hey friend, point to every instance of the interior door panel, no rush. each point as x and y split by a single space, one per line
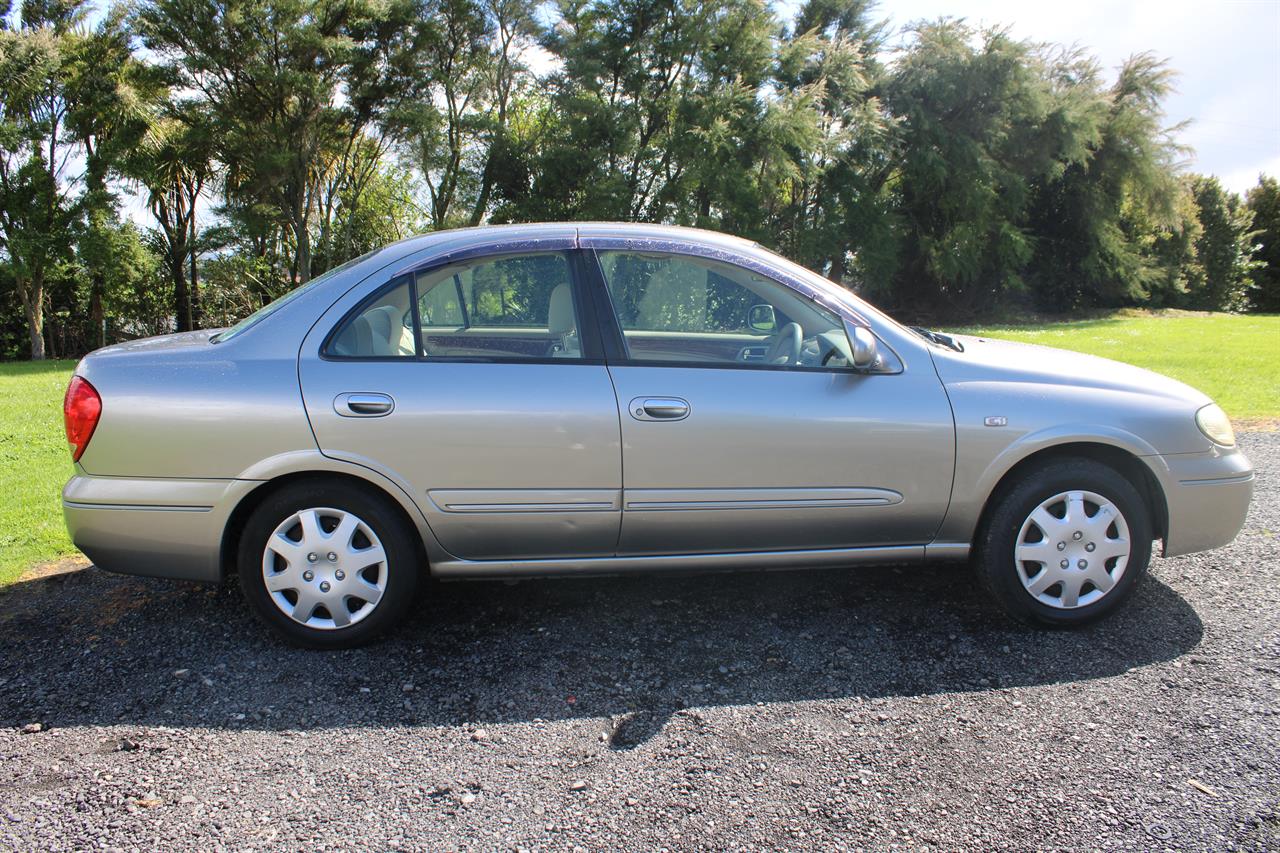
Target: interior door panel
665 346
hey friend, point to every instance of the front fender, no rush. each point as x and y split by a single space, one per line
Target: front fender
982 461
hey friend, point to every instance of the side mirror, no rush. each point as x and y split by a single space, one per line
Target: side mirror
762 319
863 344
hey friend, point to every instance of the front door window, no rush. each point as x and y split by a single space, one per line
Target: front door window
686 310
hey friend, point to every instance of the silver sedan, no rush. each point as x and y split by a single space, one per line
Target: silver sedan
570 399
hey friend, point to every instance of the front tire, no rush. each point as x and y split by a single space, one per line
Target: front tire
1066 544
328 565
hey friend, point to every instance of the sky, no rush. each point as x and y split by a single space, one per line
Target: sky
1227 53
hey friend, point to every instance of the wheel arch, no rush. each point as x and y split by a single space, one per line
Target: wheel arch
250 501
1125 462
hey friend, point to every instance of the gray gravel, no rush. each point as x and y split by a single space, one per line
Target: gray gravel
867 708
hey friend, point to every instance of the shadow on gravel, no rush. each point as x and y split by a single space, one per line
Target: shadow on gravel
89 648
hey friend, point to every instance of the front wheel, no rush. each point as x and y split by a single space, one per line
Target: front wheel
1066 544
328 565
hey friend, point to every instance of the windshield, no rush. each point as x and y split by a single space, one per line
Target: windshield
275 305
836 291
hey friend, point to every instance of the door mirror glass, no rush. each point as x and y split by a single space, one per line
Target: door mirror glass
863 346
762 319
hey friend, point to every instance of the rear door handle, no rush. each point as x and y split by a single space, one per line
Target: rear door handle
659 409
363 405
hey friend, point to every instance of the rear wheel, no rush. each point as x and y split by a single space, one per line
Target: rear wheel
328 565
1066 544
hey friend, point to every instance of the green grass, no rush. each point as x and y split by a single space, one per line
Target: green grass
1234 359
34 463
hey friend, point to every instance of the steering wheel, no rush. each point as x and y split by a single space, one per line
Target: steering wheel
785 348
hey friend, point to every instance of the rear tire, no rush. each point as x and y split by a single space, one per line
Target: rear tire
328 565
1065 544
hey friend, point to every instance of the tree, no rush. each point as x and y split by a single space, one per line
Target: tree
659 111
288 83
835 213
1169 248
172 163
615 101
367 204
456 132
1093 215
1223 248
108 92
730 147
1264 201
985 119
37 164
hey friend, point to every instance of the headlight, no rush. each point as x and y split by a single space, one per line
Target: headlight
1215 424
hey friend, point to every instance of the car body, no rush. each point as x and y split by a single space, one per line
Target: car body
656 413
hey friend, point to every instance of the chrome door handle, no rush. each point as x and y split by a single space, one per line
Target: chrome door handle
659 409
363 405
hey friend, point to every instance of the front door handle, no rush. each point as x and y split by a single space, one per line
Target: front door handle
659 409
363 405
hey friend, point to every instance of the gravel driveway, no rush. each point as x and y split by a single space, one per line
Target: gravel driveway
866 708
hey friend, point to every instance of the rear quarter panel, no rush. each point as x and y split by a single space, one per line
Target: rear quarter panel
201 412
180 406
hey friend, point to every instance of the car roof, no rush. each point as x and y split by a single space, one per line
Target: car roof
496 235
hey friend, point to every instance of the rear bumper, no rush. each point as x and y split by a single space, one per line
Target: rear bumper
149 526
1207 496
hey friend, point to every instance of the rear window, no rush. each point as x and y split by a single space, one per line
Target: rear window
272 307
508 308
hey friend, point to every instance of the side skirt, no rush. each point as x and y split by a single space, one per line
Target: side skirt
757 560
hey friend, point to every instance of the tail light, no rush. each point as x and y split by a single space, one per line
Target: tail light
80 408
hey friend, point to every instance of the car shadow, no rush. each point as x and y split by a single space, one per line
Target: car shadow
89 648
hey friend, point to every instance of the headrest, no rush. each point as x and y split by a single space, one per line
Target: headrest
382 325
560 320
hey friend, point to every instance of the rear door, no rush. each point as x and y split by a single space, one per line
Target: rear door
739 434
473 385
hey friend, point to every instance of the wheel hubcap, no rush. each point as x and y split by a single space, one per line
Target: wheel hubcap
334 593
1072 550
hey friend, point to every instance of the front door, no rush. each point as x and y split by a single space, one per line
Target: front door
738 433
471 384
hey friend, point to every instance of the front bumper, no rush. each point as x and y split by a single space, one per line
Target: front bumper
150 526
1207 496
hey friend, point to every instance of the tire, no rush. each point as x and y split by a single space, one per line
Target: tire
338 551
1050 548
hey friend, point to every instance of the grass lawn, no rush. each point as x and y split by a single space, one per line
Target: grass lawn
1235 360
34 463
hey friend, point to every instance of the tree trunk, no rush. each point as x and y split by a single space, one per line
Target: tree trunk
181 296
32 294
486 181
98 200
197 315
304 253
96 314
486 187
838 266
